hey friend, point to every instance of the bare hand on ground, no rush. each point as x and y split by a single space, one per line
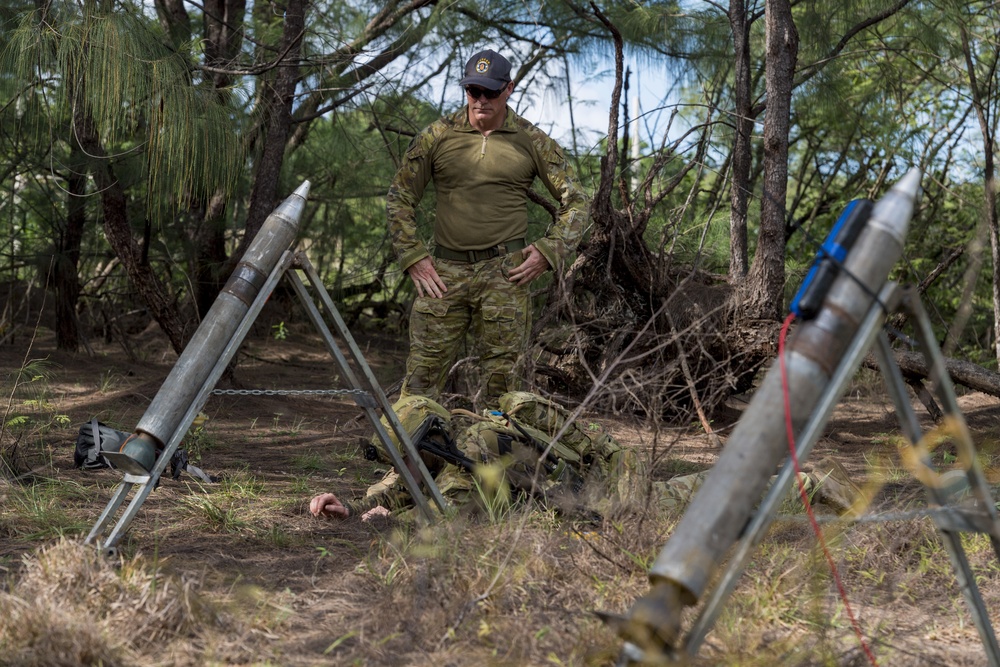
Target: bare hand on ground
327 505
374 512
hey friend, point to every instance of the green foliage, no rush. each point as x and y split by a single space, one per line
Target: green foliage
229 508
310 462
39 510
29 413
108 66
493 494
354 155
197 441
177 138
241 485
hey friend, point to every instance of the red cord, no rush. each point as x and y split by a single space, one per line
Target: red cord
802 489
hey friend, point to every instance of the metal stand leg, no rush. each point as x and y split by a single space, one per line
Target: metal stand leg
981 518
146 483
373 391
368 398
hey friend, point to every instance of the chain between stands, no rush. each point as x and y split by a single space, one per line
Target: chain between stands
287 392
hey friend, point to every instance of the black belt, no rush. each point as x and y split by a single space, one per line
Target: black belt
473 256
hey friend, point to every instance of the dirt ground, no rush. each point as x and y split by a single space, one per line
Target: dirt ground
314 592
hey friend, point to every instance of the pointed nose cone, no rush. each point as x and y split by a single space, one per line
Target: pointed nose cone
910 184
302 190
893 211
291 208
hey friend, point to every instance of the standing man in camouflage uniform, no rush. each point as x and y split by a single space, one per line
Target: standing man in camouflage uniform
483 159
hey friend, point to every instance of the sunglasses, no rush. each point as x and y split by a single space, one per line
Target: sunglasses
475 92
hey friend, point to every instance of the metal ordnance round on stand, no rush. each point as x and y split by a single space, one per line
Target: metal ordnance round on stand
196 362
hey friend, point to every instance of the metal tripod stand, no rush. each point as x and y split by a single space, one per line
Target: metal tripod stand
979 515
364 389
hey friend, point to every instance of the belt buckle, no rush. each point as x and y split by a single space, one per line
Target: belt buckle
476 256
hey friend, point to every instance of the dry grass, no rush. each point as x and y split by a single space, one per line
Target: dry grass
71 606
469 591
473 592
239 573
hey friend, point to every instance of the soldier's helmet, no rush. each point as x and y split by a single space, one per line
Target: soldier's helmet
421 418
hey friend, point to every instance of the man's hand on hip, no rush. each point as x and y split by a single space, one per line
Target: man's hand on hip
534 265
426 278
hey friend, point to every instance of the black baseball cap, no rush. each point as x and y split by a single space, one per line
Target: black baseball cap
487 69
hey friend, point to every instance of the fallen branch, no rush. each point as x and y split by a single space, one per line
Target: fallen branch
682 357
965 373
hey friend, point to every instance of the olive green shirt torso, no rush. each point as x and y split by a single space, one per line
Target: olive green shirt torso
482 183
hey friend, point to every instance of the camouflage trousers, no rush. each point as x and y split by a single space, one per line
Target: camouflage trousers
482 301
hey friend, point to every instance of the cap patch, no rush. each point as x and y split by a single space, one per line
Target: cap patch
483 65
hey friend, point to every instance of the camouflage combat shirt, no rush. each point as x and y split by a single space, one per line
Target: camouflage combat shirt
482 183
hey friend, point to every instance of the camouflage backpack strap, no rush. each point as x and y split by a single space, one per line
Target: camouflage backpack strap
518 452
587 444
486 440
95 451
549 418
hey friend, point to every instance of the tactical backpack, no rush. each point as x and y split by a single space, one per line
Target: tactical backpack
587 441
528 460
430 427
95 437
617 472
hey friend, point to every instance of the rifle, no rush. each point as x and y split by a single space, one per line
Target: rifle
555 468
450 453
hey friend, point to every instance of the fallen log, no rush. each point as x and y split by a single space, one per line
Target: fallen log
965 373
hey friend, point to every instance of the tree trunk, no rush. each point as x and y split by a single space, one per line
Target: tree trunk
118 232
211 268
277 103
985 106
913 366
222 43
223 21
762 293
741 153
67 260
174 20
991 213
